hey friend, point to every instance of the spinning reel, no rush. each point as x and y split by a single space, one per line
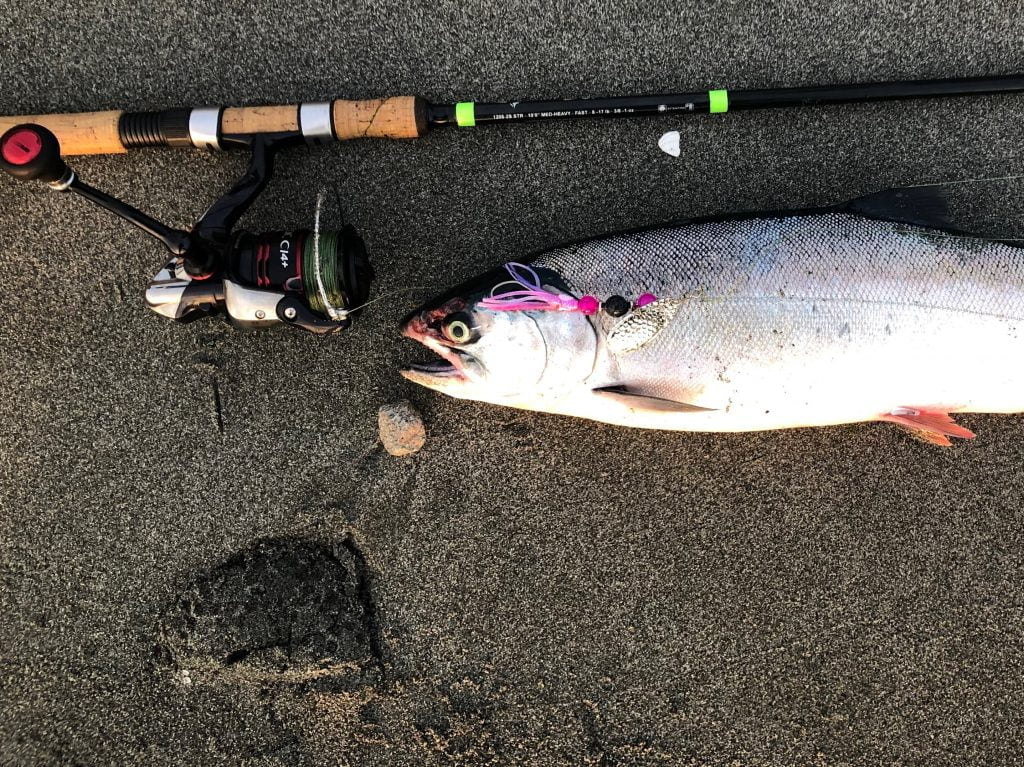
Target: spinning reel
310 279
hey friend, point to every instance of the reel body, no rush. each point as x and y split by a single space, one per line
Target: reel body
310 279
272 278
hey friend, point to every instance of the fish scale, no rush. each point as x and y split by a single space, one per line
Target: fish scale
827 256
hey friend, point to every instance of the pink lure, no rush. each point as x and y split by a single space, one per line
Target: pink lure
528 295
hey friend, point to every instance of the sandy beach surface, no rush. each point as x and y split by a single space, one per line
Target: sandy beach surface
207 559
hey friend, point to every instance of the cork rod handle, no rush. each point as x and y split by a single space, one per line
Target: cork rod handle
84 133
398 117
395 117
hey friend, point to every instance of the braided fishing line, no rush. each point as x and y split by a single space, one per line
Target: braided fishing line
323 283
390 293
337 267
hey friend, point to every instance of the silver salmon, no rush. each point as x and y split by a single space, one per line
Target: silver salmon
878 309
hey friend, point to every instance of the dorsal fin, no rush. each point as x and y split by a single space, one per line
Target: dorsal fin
925 206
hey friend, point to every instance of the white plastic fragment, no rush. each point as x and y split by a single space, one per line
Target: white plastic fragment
401 428
669 143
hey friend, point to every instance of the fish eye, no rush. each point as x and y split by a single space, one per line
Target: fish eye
458 328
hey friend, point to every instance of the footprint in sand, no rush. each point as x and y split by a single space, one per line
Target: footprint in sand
285 610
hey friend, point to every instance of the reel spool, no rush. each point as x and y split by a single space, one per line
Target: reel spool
310 279
332 272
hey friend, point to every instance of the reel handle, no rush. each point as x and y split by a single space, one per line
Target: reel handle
32 153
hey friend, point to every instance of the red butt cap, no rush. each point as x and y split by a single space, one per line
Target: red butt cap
21 147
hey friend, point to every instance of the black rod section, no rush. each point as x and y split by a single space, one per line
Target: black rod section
467 114
168 127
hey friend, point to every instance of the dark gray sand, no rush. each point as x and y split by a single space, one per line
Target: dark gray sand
258 583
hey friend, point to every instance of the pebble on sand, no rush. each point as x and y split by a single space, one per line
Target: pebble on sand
401 428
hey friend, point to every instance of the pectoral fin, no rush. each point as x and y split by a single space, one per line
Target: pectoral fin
641 325
637 400
932 426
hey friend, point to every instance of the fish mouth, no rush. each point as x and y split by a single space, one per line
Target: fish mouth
435 369
435 373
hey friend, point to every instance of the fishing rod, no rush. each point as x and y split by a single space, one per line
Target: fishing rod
318 280
403 117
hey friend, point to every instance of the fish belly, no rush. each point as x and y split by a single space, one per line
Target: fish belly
776 363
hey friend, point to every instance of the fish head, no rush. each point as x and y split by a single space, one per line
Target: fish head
507 357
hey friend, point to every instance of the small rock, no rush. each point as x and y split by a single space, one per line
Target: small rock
401 428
